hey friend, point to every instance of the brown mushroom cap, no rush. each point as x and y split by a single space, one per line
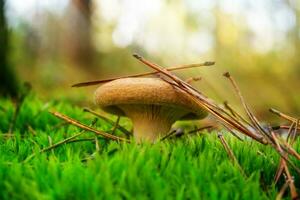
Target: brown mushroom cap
145 91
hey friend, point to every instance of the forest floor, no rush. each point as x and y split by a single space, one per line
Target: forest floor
90 167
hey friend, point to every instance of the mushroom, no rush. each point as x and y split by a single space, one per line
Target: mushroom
152 104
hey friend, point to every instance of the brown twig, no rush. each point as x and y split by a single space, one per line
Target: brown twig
87 128
200 129
92 139
283 127
116 126
90 83
121 128
168 135
282 190
281 163
282 115
53 146
294 134
259 128
293 190
255 123
230 152
180 132
232 132
236 114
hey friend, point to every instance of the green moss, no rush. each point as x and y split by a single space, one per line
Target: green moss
189 168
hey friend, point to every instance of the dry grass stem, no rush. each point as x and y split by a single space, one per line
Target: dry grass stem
293 190
236 114
283 127
282 115
87 128
282 190
281 163
116 125
180 132
121 128
89 83
232 132
53 146
168 135
255 123
200 129
230 152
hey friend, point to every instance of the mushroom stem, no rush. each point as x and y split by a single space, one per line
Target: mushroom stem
151 122
150 130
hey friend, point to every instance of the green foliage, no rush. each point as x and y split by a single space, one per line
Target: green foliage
189 168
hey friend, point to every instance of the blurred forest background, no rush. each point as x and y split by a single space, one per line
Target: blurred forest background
55 43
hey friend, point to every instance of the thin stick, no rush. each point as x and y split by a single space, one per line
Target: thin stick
89 83
236 114
82 140
282 115
281 165
293 190
290 150
230 152
168 135
252 118
282 190
121 128
283 127
200 129
51 147
116 125
294 135
290 140
180 132
87 128
232 132
289 134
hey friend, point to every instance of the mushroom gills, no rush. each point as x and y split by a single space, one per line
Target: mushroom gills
151 122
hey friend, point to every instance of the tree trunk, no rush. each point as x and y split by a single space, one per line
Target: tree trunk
8 85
